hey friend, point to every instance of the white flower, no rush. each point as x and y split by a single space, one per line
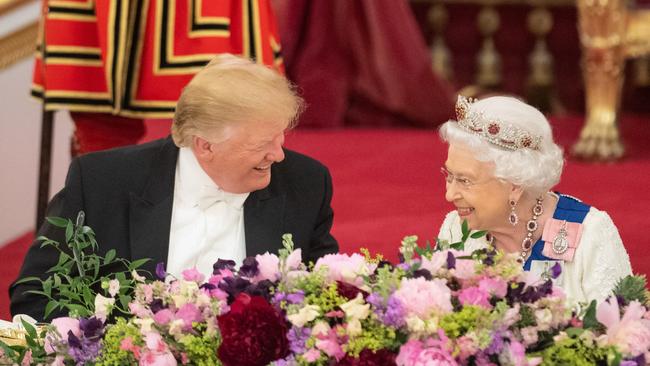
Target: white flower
354 327
321 327
103 306
136 276
544 318
356 309
144 324
304 315
113 287
415 324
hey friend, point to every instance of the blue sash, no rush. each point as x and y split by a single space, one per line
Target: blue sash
569 209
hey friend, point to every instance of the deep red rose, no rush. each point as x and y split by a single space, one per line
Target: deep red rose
252 332
349 291
383 357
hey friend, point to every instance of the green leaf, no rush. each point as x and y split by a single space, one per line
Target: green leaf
50 307
8 351
28 279
58 221
478 234
590 321
465 230
138 263
31 331
69 231
110 255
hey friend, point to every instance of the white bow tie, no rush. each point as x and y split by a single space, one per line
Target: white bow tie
210 195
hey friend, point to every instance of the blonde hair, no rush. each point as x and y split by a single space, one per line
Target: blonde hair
534 170
231 91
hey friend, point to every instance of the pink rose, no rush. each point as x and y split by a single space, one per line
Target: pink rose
475 296
63 326
494 286
294 259
163 316
268 266
631 333
431 353
189 313
158 359
193 275
421 297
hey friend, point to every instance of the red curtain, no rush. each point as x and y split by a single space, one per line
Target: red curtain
361 63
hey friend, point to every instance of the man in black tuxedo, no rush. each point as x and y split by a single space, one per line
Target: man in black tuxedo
222 186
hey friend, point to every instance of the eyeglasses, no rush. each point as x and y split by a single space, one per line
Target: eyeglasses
463 183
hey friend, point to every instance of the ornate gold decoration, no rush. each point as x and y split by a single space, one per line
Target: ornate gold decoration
18 45
440 55
489 61
642 71
540 60
609 34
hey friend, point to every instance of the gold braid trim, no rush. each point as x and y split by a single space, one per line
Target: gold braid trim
18 45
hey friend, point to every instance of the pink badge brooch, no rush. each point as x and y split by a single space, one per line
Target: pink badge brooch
561 239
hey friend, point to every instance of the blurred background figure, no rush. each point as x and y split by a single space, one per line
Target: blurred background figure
113 64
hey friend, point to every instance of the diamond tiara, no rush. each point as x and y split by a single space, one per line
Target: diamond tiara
494 130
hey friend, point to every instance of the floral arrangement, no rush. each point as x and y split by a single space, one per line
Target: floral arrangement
440 305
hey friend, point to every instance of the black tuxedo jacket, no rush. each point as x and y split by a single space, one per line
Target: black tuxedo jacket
127 195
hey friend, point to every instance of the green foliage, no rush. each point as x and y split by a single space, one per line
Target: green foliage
75 280
579 350
202 349
112 354
458 323
632 288
428 250
375 336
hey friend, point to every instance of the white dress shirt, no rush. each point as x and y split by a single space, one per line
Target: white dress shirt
207 223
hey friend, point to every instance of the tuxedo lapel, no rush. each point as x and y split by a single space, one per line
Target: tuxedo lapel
151 210
263 221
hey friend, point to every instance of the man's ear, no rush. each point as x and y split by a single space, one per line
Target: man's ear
202 148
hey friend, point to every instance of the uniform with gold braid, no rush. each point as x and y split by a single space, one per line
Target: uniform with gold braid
132 58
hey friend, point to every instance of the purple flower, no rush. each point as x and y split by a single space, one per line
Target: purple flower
556 270
497 344
451 260
92 328
157 305
422 273
249 268
83 350
160 270
297 338
395 313
223 264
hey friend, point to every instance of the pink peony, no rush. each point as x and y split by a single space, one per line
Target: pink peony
330 344
294 259
311 355
494 286
631 333
345 268
430 353
421 297
438 260
193 275
158 359
63 326
465 269
475 296
189 313
163 316
268 266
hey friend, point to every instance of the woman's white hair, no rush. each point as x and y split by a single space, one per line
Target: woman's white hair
534 170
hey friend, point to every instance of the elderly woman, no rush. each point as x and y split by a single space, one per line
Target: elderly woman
501 164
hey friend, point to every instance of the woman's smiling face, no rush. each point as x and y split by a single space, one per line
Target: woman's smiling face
479 197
